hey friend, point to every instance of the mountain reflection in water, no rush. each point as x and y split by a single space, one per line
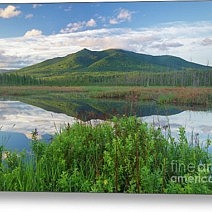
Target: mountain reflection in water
18 120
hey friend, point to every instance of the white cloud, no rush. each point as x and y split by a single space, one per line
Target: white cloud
101 18
165 46
9 12
77 26
29 16
12 60
113 21
122 16
32 33
179 39
91 23
207 42
73 27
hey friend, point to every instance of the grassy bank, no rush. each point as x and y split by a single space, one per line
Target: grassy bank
88 102
162 95
128 157
174 95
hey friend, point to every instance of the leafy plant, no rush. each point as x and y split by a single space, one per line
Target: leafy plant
122 155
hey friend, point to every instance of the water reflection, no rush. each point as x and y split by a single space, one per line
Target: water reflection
104 108
86 109
197 124
18 120
19 141
14 140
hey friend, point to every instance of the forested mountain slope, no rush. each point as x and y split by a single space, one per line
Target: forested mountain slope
109 60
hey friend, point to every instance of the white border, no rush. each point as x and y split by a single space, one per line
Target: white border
30 202
63 202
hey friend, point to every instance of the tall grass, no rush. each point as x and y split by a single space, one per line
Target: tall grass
174 95
126 156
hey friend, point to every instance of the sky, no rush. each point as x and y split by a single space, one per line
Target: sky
31 33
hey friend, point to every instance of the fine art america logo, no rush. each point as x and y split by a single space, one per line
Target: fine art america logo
201 173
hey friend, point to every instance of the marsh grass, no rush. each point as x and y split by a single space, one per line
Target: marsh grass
85 100
125 155
175 95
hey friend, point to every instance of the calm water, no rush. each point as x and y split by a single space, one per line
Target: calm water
106 108
18 141
18 120
86 109
14 140
198 125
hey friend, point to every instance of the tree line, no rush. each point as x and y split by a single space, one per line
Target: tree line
178 78
9 79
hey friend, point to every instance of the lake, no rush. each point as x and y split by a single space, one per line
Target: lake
100 108
18 120
198 125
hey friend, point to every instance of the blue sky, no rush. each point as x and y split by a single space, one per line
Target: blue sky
31 33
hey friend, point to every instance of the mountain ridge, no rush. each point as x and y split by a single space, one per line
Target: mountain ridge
86 60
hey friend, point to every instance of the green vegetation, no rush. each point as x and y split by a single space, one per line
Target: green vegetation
112 68
11 79
107 61
87 102
126 156
174 95
177 78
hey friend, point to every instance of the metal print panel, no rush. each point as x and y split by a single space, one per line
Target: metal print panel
106 97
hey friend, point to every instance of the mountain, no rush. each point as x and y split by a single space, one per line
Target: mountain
109 60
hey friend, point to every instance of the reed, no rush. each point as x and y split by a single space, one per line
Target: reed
127 156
